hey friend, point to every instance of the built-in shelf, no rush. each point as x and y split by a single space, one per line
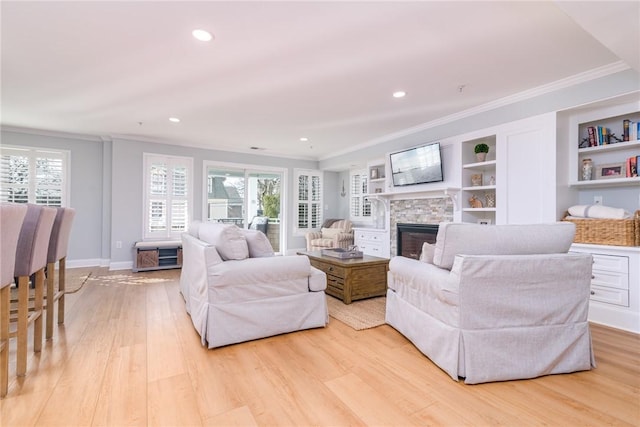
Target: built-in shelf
610 147
479 188
611 182
489 164
479 209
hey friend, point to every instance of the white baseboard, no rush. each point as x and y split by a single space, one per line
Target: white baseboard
91 262
122 265
621 318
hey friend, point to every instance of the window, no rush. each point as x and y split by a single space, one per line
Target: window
360 207
308 212
33 175
168 195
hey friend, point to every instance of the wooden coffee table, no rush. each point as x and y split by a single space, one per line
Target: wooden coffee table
352 279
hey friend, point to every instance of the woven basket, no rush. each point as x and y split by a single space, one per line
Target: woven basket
616 232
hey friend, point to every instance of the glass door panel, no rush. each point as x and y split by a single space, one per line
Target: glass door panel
264 204
226 196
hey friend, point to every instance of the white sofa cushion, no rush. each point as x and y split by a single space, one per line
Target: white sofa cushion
475 239
227 238
258 244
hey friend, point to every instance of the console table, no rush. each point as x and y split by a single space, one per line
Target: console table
158 255
352 279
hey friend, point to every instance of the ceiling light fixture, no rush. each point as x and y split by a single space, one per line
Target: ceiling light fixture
174 120
399 94
202 35
303 139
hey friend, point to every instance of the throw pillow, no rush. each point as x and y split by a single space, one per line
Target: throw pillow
258 243
427 253
227 238
330 233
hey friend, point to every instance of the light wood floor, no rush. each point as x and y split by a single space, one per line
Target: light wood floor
128 355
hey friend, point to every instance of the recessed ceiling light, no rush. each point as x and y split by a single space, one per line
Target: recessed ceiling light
399 94
174 120
303 139
202 35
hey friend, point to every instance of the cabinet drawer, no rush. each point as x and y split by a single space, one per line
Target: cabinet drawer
368 236
618 264
330 269
610 295
371 249
609 279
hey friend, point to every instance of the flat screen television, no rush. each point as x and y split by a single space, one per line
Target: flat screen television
417 165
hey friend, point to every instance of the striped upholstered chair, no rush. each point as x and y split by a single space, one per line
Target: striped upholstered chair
333 234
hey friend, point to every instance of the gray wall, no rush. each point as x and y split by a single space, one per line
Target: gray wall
86 189
106 176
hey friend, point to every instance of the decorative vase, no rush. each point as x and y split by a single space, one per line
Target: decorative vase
587 169
476 179
481 157
490 199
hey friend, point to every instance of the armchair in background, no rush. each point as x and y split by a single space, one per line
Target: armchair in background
334 234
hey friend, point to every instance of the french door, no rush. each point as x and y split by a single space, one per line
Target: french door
248 197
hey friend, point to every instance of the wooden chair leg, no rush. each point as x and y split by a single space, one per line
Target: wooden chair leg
23 324
51 294
38 304
5 296
62 284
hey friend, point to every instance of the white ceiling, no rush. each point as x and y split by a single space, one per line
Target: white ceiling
278 71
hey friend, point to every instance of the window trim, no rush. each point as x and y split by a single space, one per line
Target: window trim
31 152
172 161
300 231
362 195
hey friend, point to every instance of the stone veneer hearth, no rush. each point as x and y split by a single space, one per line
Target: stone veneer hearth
418 211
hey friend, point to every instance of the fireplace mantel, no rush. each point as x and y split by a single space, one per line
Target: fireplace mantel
409 194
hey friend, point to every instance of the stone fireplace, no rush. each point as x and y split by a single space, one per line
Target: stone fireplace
417 211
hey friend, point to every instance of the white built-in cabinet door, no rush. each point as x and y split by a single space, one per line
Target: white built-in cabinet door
526 171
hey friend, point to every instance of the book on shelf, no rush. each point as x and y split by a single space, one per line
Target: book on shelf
632 166
634 131
625 129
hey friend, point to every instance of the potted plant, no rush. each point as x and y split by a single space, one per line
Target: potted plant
481 151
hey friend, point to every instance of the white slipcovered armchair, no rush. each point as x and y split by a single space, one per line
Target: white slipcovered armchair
494 303
333 234
236 289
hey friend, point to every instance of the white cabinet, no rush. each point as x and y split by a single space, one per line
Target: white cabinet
372 241
517 183
615 285
526 171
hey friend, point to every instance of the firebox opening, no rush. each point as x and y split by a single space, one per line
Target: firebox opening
412 236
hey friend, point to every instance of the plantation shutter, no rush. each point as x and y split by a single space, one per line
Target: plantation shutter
33 176
168 195
360 206
308 200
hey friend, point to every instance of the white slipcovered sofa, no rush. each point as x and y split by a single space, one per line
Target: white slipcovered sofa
236 290
494 303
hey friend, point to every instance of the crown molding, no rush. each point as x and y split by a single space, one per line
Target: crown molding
50 133
567 82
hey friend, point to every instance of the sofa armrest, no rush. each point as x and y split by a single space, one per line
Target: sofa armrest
522 290
417 276
313 235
